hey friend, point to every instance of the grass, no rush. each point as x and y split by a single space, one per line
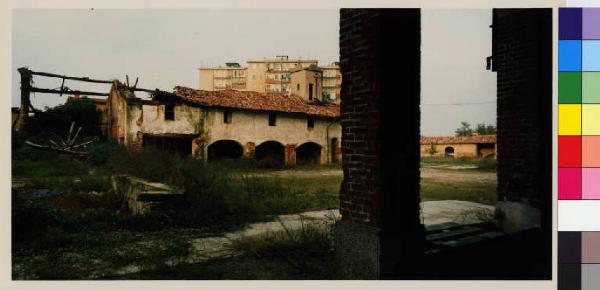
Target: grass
220 196
300 253
475 191
481 164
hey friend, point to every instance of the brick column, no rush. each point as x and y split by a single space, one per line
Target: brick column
522 57
249 150
198 148
290 154
380 235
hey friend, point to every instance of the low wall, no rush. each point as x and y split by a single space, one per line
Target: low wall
141 195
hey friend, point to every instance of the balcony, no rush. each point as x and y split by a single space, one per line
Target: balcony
279 81
222 87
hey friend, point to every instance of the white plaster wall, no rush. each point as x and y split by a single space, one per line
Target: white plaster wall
188 120
247 126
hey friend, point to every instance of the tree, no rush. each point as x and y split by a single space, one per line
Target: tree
57 120
483 129
464 129
432 149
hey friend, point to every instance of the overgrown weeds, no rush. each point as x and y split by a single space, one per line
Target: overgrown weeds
308 249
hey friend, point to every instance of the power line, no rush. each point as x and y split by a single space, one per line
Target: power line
459 104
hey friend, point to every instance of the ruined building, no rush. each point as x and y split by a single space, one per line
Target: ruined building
271 76
227 124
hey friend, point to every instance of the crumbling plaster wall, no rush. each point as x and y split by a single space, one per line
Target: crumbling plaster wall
188 120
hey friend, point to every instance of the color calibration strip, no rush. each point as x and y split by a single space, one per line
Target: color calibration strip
578 140
579 104
578 260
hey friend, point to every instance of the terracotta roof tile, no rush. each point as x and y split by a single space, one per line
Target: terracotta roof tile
458 139
248 100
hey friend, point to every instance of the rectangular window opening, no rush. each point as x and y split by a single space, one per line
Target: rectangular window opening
227 116
169 112
272 119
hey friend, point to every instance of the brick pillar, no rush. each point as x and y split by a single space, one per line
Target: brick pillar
290 154
249 150
198 148
522 58
380 234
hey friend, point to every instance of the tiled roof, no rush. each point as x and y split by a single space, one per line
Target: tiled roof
458 139
248 100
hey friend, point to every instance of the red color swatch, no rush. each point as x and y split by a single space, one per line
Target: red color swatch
569 151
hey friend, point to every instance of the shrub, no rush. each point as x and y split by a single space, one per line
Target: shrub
57 120
308 249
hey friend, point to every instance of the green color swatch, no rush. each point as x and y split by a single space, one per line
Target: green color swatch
591 87
569 87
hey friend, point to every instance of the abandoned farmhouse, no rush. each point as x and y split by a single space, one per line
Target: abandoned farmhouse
211 125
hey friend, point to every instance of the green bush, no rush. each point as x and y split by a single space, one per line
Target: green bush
57 120
308 249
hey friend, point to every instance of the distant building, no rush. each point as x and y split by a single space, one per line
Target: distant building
307 83
230 77
483 146
269 76
332 81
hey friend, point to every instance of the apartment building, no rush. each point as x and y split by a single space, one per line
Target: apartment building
268 76
230 77
332 81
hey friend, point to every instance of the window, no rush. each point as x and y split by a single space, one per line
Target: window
169 112
310 91
310 123
272 119
227 116
298 87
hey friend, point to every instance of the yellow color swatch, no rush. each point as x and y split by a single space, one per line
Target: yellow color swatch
591 119
569 119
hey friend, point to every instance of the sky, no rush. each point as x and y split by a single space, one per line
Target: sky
164 48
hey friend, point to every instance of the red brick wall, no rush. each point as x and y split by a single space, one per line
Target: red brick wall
380 53
359 200
522 57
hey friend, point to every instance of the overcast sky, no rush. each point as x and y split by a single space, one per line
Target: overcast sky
164 48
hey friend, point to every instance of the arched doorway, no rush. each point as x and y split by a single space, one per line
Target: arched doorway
270 153
308 153
224 149
449 151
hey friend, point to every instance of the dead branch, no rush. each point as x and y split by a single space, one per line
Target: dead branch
67 145
46 147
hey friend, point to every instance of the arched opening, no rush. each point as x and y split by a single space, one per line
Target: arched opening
224 149
270 153
333 150
449 152
308 153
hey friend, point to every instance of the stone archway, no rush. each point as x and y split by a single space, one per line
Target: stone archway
224 149
308 153
270 153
